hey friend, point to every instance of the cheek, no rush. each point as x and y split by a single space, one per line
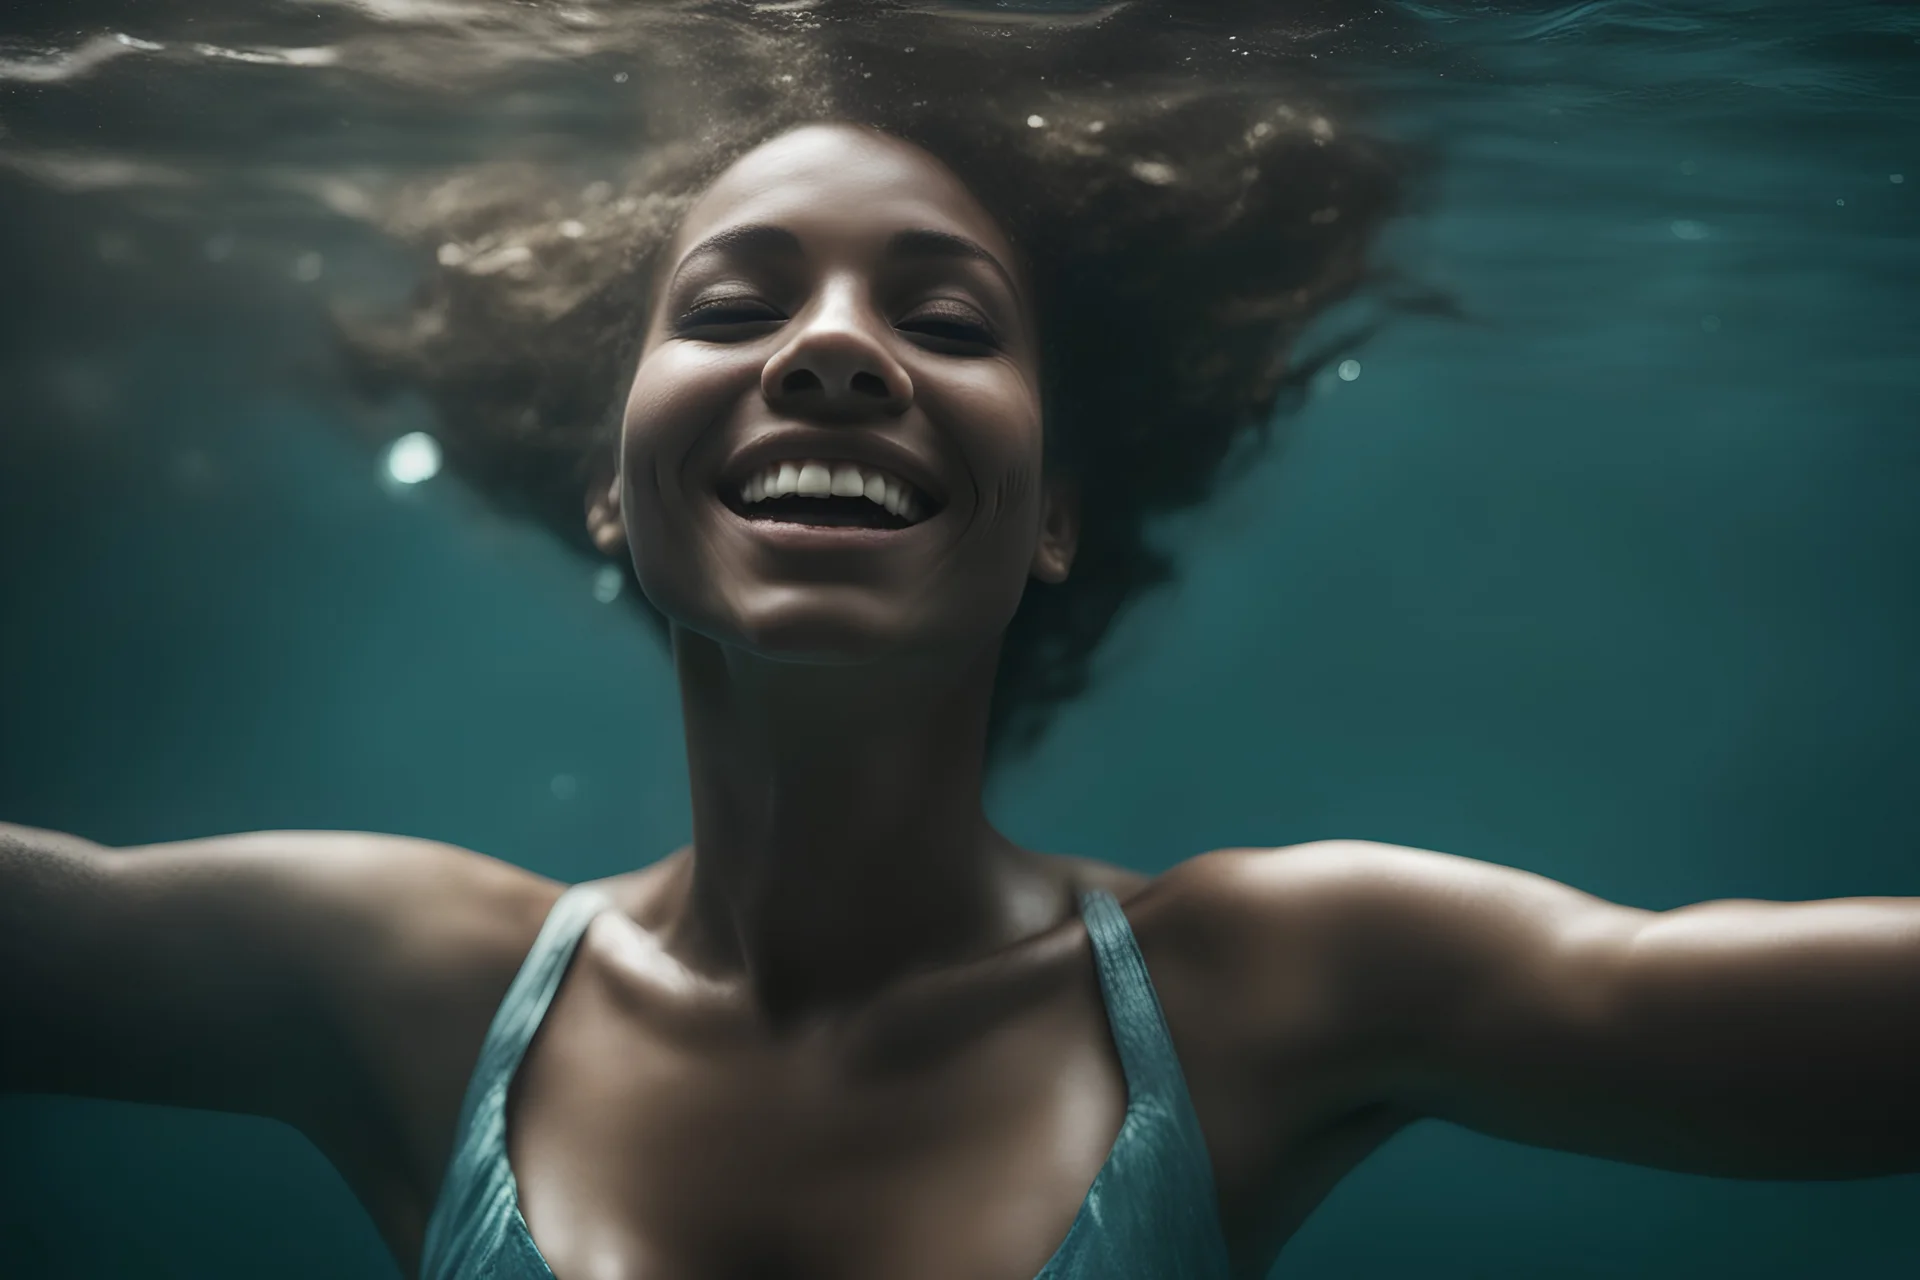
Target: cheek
1003 446
677 392
678 395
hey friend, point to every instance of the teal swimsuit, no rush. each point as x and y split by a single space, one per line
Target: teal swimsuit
1150 1213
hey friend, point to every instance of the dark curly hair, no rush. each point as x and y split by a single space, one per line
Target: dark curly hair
1181 192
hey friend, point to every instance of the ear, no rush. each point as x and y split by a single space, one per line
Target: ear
1059 530
604 525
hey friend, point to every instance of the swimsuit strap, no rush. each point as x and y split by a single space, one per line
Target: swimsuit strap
478 1185
1156 1086
1133 1009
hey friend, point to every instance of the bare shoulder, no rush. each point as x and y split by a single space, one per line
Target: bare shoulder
442 933
1258 941
1346 941
1330 890
415 942
411 944
346 901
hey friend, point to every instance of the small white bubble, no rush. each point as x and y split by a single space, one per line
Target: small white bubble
619 77
1840 202
412 458
1036 122
1896 178
1687 229
564 786
307 267
1348 370
608 582
573 229
450 254
1710 323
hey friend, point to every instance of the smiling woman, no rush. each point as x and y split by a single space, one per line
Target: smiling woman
907 373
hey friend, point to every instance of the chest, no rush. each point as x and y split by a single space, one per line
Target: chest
963 1149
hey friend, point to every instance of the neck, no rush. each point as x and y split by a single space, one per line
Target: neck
839 838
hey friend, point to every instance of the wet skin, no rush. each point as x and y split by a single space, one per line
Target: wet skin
851 1030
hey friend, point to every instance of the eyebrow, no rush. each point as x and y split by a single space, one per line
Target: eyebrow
915 242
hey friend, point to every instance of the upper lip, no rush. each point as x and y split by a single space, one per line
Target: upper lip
845 444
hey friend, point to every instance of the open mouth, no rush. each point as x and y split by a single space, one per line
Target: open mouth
831 495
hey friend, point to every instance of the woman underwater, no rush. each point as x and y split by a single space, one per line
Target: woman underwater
906 389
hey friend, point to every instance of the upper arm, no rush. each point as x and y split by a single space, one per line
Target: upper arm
1739 1037
1402 968
250 973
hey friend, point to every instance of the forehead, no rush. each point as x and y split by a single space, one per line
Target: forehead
841 180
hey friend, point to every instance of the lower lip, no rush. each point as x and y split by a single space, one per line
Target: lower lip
785 533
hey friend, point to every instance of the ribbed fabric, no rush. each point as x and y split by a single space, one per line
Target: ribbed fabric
1150 1214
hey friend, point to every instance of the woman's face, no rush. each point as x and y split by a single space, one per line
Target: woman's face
838 312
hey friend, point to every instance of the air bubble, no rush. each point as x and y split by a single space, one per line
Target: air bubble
608 582
413 458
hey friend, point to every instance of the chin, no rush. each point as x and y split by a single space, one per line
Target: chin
802 627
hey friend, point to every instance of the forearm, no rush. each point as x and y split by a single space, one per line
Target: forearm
29 840
46 880
1742 1039
1794 1026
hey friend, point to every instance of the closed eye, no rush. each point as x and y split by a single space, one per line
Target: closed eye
957 331
722 319
727 313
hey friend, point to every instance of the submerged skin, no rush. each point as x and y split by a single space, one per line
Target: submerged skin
851 1030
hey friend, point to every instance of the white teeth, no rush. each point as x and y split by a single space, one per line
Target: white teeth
815 480
834 479
848 482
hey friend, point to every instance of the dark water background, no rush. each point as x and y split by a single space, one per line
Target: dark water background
1619 583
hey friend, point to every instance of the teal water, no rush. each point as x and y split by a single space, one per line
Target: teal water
1618 581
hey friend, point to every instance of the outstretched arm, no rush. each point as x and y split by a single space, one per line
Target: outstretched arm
1738 1038
268 973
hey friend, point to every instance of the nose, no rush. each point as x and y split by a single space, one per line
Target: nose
836 364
